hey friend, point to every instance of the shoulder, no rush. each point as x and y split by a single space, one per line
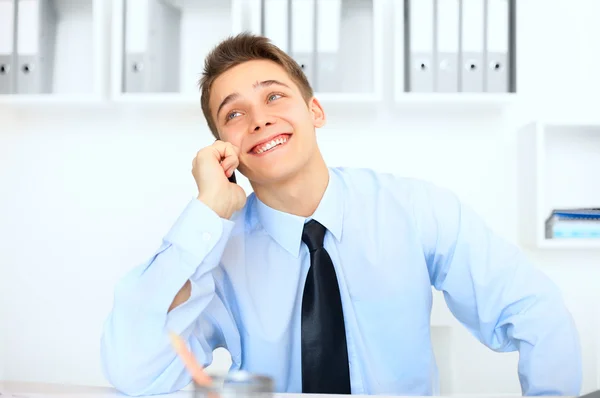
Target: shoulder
369 182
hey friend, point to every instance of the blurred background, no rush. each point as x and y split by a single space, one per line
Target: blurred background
100 118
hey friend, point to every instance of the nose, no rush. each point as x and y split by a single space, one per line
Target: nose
262 120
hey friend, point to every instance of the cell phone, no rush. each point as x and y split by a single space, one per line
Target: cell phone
232 178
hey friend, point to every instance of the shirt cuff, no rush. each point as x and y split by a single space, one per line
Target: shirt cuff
197 230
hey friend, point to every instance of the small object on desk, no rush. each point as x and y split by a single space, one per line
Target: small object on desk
593 394
573 223
237 384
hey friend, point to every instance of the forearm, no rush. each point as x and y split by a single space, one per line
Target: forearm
136 351
549 350
153 300
182 296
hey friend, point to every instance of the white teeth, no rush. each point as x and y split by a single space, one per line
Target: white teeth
271 144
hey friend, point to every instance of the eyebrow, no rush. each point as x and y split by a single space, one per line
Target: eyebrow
233 96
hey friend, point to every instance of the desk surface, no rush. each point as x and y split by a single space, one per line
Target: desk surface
45 390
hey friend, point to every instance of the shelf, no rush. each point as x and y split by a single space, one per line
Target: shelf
338 43
167 41
457 101
66 60
193 100
161 52
183 100
557 170
569 244
159 47
25 100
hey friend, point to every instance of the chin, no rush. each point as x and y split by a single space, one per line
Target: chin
272 175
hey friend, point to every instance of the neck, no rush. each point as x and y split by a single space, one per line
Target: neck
300 194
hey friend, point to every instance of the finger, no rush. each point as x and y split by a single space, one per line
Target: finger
226 149
232 150
196 371
231 162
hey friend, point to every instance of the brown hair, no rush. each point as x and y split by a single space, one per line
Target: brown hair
239 49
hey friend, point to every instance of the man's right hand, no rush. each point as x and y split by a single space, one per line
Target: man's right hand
211 168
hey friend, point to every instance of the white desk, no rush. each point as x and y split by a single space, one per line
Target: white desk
44 390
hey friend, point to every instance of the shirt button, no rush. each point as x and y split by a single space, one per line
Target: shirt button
206 236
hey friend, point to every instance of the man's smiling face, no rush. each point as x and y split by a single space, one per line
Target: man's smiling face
257 107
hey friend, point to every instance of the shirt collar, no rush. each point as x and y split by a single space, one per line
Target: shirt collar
286 229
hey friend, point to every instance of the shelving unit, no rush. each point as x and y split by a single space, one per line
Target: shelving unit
150 70
457 101
557 169
73 70
338 43
154 54
158 48
461 51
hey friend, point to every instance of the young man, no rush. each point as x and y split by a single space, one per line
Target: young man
322 277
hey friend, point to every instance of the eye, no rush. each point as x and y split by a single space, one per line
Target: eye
273 97
231 115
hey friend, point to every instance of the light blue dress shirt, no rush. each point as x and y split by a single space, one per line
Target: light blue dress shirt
391 239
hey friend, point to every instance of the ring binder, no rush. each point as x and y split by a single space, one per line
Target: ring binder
472 46
419 34
7 45
151 46
448 33
36 30
496 56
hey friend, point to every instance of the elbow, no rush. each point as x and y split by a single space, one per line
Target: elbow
121 373
134 387
137 377
128 386
133 382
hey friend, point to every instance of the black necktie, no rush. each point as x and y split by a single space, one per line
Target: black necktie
324 351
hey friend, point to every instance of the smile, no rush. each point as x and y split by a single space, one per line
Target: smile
269 146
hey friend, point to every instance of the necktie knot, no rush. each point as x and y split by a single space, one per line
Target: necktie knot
313 235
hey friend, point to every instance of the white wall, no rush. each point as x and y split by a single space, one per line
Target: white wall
3 318
88 192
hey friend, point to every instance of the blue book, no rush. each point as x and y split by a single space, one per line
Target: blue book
580 214
573 223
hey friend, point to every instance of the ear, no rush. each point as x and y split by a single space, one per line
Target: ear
317 112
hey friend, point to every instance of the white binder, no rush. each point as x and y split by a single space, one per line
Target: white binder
448 32
151 46
7 45
330 54
36 31
356 55
472 49
421 38
303 39
497 46
276 22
